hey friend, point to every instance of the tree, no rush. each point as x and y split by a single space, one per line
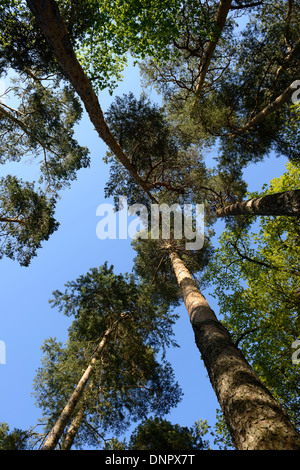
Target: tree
26 219
54 29
14 440
259 423
112 355
245 102
232 115
57 430
255 274
161 435
42 127
215 344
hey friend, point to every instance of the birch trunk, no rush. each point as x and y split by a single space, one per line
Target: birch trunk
65 416
255 420
284 203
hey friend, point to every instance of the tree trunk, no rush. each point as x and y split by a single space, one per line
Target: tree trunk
254 418
65 416
220 19
73 429
52 25
284 203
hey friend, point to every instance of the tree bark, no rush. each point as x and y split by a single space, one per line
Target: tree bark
254 418
65 416
220 19
52 26
285 203
14 220
73 429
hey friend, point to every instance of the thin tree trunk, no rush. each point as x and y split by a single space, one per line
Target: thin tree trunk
78 418
65 416
52 25
220 19
284 203
73 429
254 418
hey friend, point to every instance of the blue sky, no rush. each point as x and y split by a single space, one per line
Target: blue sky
26 317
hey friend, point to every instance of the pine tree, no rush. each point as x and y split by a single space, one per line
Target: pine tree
26 219
109 373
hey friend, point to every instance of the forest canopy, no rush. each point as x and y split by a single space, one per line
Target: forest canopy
226 75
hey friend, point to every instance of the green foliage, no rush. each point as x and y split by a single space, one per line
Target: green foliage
13 440
26 219
155 150
171 166
161 435
100 296
141 28
104 35
129 381
255 274
42 127
250 68
22 45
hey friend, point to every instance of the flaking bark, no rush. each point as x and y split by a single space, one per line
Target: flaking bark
254 418
285 203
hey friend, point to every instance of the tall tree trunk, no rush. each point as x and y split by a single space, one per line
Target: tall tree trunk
52 25
284 203
220 19
73 429
65 416
254 418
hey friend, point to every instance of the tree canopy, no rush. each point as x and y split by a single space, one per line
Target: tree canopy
226 72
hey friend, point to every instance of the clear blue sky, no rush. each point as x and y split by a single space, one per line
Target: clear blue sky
26 317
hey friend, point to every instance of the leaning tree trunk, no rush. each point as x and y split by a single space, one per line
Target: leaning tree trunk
285 96
65 416
285 203
73 429
254 418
